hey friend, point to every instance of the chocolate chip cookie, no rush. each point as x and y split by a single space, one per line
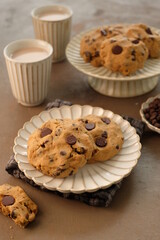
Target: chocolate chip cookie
144 33
15 203
124 55
107 137
59 148
91 43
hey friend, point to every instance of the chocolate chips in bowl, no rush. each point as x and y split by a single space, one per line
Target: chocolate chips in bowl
150 113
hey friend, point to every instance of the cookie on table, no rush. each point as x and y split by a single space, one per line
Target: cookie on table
124 55
59 148
107 137
148 36
15 203
91 43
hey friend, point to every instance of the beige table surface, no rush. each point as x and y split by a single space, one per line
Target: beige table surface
135 211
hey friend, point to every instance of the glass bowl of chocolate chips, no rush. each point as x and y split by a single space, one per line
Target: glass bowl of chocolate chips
150 113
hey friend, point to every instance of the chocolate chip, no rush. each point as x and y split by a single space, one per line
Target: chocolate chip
106 120
104 32
148 30
13 214
136 41
71 139
93 39
59 171
117 147
157 125
71 173
63 153
45 132
80 150
43 144
117 49
101 142
147 116
96 54
89 126
94 152
88 56
104 134
8 200
133 52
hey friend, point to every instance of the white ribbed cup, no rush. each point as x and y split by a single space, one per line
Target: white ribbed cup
56 32
29 80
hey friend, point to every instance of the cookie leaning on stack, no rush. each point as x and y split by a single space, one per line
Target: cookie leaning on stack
120 48
60 147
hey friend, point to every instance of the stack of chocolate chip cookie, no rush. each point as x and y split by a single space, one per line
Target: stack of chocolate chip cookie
120 48
60 147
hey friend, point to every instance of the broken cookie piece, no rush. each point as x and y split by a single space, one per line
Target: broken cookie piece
15 203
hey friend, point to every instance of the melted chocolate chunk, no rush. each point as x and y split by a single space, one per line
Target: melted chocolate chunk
63 153
104 134
8 200
136 41
104 32
90 126
88 55
117 147
71 139
148 30
45 132
117 50
106 120
101 142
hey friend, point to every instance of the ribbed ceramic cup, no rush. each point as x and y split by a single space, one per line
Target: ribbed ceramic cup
55 32
29 80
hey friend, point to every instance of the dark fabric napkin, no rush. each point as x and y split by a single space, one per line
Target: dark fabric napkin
100 198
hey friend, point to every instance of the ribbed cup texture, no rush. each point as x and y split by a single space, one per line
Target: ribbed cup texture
55 33
29 81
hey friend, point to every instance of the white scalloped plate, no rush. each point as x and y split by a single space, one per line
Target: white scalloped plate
114 84
144 106
92 176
